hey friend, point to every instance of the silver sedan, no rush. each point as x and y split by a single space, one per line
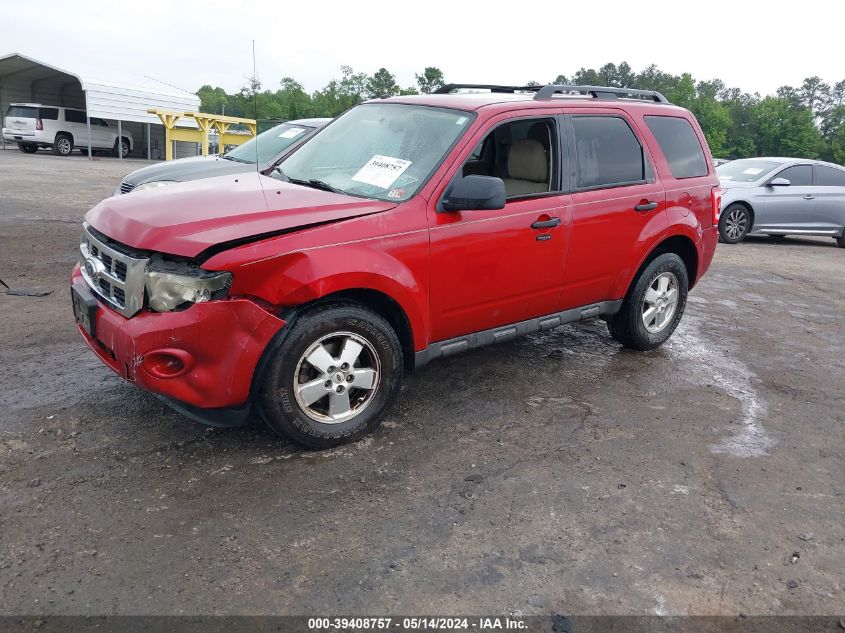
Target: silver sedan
781 196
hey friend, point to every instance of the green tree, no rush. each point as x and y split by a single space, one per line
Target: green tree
430 80
784 130
382 84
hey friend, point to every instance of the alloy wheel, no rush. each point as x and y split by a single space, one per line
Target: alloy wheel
660 302
337 377
736 224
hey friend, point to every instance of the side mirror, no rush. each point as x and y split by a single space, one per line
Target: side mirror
475 193
779 182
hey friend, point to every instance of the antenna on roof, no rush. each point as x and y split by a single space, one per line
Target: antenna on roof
254 105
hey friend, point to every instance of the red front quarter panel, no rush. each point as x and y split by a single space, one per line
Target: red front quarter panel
386 252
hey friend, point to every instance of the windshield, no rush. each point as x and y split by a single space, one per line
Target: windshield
269 143
379 150
747 170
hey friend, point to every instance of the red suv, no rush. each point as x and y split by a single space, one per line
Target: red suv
408 229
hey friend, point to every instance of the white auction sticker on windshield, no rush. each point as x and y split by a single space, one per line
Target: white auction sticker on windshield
381 171
292 132
752 171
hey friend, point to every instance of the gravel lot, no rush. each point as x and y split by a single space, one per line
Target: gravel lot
557 473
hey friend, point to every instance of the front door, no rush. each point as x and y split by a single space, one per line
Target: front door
786 207
492 268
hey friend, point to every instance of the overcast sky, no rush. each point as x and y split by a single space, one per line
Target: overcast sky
756 46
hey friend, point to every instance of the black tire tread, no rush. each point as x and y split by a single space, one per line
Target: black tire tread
625 326
300 430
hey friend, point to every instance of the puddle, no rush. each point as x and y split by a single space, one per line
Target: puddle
736 380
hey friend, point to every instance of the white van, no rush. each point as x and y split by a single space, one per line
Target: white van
32 125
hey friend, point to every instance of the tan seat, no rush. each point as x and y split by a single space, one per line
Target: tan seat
528 170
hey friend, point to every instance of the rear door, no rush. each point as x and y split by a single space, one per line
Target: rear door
829 185
786 208
76 123
618 204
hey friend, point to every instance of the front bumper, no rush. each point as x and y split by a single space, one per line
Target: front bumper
220 341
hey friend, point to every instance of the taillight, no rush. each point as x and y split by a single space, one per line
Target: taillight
39 125
716 196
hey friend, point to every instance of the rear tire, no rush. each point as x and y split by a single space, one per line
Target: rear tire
654 304
28 148
317 395
734 223
63 145
840 241
121 148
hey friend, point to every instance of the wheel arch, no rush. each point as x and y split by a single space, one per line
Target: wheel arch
751 214
680 245
382 304
63 133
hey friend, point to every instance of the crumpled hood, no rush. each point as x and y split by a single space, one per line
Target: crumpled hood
184 169
188 218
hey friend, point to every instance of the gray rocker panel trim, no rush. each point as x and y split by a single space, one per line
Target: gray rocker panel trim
508 332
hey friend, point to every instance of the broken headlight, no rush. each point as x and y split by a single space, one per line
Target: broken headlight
173 284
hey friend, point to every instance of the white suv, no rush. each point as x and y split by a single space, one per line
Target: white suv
32 125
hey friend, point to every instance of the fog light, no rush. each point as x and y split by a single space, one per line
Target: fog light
167 363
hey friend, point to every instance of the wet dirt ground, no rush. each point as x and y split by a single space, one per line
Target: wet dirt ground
557 473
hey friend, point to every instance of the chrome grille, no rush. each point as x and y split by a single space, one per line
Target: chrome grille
115 275
126 187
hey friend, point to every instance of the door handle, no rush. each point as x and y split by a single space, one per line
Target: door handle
646 206
546 224
809 197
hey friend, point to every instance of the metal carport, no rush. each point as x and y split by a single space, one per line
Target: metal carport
24 79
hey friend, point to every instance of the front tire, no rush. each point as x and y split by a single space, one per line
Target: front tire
334 376
734 224
653 306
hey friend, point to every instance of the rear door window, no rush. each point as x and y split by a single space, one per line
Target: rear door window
22 112
829 176
679 145
798 175
50 114
75 116
607 152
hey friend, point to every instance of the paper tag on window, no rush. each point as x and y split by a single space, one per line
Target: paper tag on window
753 171
291 132
381 171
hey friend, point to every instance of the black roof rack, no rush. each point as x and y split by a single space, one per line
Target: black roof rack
492 88
545 93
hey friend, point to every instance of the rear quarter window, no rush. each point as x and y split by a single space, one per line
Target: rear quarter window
679 145
50 114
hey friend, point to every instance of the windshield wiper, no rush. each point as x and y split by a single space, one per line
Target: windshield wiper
233 159
314 183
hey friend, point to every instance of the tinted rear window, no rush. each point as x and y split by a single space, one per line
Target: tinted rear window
607 152
75 116
679 145
22 112
829 177
51 114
